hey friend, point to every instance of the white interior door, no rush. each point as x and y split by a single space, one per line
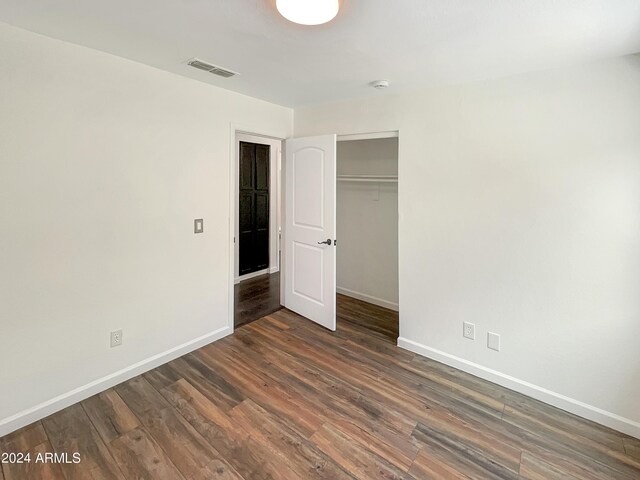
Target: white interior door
310 228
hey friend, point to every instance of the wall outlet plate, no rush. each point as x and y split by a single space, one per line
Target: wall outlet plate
493 341
116 338
469 330
198 225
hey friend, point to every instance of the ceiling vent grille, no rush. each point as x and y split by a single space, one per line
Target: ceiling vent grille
208 67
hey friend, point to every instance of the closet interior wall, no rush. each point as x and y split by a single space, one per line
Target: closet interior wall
367 220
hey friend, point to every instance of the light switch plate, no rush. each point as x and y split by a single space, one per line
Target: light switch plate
198 225
493 341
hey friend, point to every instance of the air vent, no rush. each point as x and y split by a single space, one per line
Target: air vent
208 67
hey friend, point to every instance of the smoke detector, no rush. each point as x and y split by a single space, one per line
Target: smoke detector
380 84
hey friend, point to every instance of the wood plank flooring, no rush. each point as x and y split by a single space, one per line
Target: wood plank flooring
256 298
285 399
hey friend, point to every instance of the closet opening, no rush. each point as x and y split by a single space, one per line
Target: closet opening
367 233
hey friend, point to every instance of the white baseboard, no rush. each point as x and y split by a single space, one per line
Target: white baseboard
570 405
242 278
33 414
368 298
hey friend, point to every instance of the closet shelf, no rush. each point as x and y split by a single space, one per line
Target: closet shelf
368 178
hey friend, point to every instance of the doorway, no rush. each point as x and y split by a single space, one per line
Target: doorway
257 227
367 233
341 229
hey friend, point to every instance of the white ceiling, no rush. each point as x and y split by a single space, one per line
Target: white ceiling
413 43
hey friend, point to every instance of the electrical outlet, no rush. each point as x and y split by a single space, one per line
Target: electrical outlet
116 338
493 341
469 330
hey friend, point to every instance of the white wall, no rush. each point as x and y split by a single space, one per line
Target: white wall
275 151
104 165
367 222
519 210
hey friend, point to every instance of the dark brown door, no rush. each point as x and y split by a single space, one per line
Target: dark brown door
254 207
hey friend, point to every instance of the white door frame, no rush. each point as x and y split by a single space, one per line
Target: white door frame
235 129
374 136
340 138
369 136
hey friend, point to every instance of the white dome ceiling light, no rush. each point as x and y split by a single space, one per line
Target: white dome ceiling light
308 12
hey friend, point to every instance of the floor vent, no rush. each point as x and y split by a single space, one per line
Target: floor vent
208 67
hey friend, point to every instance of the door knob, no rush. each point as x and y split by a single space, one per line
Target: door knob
326 242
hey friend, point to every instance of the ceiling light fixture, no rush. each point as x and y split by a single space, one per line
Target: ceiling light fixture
308 12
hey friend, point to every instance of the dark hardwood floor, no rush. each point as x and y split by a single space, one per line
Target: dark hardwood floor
283 398
256 298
